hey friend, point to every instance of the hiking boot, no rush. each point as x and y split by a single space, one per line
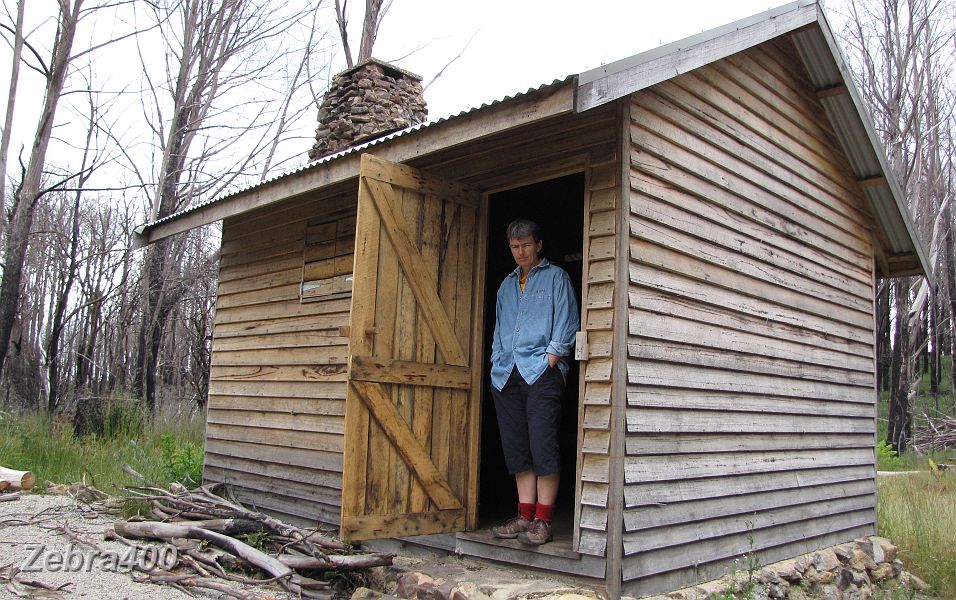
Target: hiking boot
511 528
538 533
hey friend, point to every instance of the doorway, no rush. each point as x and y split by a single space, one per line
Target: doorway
557 205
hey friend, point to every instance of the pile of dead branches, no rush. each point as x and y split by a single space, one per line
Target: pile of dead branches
934 434
212 542
25 587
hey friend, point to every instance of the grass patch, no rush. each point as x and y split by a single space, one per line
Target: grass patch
917 512
163 450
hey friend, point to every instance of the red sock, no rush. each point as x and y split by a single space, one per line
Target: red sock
526 510
543 512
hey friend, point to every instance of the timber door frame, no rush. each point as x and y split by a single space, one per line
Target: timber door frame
415 260
577 165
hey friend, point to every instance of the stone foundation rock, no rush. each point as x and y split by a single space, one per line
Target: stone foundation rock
845 572
850 571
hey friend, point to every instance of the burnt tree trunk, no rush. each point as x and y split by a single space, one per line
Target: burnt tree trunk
949 260
883 346
899 427
28 193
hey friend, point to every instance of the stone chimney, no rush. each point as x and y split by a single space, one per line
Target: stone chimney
367 101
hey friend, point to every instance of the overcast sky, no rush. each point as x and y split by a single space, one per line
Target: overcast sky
506 47
519 44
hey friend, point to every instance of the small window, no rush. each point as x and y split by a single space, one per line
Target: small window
327 259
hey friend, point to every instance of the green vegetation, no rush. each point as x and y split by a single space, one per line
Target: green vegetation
917 512
165 449
182 460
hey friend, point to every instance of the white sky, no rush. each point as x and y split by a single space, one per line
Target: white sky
515 45
519 44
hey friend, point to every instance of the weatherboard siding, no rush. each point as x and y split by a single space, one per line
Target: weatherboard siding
750 390
275 424
602 204
275 421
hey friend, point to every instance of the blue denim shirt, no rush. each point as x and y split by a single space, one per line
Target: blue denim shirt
529 325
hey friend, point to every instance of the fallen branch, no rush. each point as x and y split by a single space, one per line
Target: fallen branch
160 576
133 473
336 562
35 588
167 531
200 582
934 434
10 497
185 517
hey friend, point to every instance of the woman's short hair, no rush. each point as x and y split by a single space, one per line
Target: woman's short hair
520 228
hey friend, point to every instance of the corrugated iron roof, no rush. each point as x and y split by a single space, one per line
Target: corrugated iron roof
854 128
806 24
359 148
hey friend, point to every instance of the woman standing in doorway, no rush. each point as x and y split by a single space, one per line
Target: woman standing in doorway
536 317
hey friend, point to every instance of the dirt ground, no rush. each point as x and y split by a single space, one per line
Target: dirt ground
32 540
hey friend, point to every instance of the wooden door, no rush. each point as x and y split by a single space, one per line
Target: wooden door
412 407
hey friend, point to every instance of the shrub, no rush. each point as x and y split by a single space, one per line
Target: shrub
182 461
887 459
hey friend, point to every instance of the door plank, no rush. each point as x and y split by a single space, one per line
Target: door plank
367 245
406 177
413 265
422 421
378 526
386 370
403 440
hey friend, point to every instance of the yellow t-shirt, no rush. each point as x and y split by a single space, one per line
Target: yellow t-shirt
522 279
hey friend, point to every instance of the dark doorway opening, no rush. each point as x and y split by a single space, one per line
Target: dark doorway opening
557 205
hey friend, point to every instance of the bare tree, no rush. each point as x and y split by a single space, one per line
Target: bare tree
11 103
374 14
902 53
215 124
28 193
67 271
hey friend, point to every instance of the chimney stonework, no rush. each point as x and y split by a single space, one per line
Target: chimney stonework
369 100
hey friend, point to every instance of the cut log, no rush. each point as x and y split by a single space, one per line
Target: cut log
18 480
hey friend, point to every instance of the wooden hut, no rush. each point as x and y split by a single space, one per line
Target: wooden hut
725 208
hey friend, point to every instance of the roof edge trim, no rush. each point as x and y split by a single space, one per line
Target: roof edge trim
620 78
875 145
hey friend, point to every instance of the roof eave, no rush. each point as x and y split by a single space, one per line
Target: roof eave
805 22
407 145
853 125
626 76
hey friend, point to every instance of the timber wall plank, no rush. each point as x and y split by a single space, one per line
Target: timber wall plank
277 391
750 398
602 206
275 419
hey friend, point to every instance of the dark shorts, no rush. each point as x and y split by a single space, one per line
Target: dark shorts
529 417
